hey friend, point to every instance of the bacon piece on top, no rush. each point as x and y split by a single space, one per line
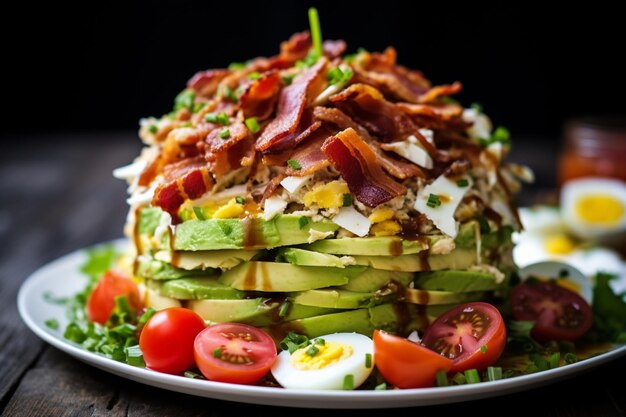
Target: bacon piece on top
359 167
259 97
205 83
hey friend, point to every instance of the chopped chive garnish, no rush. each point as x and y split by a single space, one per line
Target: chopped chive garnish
472 377
284 309
483 349
554 360
235 66
199 213
484 225
442 379
336 75
462 182
184 100
381 387
312 350
293 164
433 201
210 117
217 353
303 221
494 373
320 342
198 106
477 107
224 134
348 382
222 119
134 356
316 31
230 94
570 358
368 360
254 75
153 129
52 324
193 375
252 124
347 200
288 79
240 200
459 378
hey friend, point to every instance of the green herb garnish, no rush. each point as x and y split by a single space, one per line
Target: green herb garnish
494 373
348 382
368 360
433 201
336 75
441 379
312 350
462 182
240 200
217 353
316 31
303 221
224 134
293 164
254 76
347 200
153 129
52 324
184 100
472 377
252 124
284 309
199 213
294 341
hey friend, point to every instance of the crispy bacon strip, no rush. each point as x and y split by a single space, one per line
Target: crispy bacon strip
297 47
393 166
205 83
290 107
334 48
187 179
236 131
259 97
439 91
309 154
359 167
443 112
367 106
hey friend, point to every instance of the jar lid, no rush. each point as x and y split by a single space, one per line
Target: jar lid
601 133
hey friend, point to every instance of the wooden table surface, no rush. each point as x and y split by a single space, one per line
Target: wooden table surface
57 195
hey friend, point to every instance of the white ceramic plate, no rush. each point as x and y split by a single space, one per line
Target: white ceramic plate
62 278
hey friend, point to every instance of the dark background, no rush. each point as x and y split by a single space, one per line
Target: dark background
103 66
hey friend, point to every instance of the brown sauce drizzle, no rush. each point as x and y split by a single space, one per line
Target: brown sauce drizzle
252 236
249 281
175 255
395 247
267 284
137 241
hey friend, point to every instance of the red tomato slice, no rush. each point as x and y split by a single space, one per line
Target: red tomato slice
407 364
558 313
472 335
101 301
166 340
236 353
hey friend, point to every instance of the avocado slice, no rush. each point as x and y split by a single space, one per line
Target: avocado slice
466 238
426 297
217 259
371 246
255 311
195 289
247 233
153 269
371 280
334 298
310 258
284 277
456 281
152 298
458 258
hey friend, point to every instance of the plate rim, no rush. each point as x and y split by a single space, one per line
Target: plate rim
277 396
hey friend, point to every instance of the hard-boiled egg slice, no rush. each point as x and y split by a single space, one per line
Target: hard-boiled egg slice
272 206
563 274
350 219
332 362
439 200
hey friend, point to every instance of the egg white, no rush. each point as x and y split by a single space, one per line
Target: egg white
329 377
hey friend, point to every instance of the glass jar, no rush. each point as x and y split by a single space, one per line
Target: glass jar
594 147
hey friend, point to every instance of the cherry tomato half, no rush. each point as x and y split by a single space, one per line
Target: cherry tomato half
558 313
167 340
472 335
236 353
407 364
101 301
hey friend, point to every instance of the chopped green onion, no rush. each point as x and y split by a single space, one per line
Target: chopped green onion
477 107
252 124
348 382
193 375
570 358
198 106
347 200
210 117
223 119
554 360
433 201
294 341
153 129
381 387
368 360
217 353
501 134
494 373
484 225
441 379
293 164
463 182
312 350
199 213
134 356
52 324
483 349
472 377
230 94
284 309
224 134
288 79
146 316
254 76
303 221
240 200
459 378
184 100
316 31
320 342
336 75
236 66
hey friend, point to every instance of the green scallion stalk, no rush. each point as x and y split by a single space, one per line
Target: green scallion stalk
494 373
312 350
348 382
554 360
368 360
442 379
472 377
284 309
252 124
199 213
381 387
316 31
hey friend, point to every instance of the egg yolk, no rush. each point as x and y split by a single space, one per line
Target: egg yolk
600 209
381 214
559 245
229 210
386 228
327 195
328 354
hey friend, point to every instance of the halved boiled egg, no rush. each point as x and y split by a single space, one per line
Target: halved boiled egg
594 208
332 362
562 274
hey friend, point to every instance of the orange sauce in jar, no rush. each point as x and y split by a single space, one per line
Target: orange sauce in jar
594 147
